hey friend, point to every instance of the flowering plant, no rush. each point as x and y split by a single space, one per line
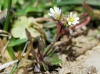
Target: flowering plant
45 56
66 25
55 13
72 19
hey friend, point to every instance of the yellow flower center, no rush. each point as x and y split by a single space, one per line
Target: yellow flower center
57 16
71 19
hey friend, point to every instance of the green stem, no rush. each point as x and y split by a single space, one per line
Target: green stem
8 16
52 44
14 68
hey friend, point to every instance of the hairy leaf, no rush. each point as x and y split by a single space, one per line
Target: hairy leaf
44 66
52 59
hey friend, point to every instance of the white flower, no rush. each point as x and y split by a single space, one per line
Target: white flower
72 19
56 13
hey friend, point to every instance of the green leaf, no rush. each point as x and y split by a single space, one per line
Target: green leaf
5 3
11 53
49 36
1 1
1 4
21 2
19 12
50 52
54 60
44 66
32 9
18 29
15 42
77 2
41 44
14 1
0 7
49 25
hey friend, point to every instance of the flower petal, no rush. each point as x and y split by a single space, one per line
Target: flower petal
77 18
55 9
50 14
67 19
60 11
69 23
71 14
72 19
75 15
55 13
52 11
75 22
